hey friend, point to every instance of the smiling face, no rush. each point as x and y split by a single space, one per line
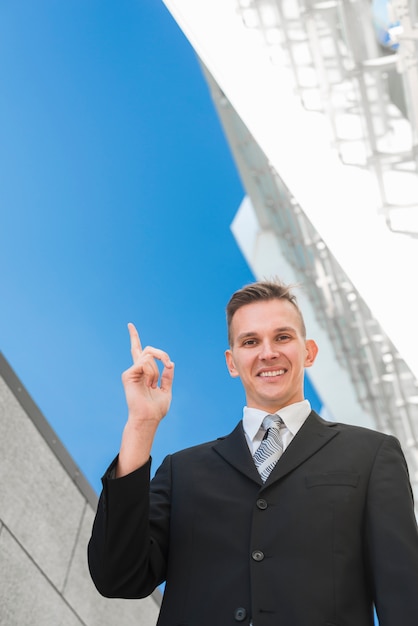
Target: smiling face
269 353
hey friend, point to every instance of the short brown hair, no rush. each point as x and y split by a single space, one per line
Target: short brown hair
258 291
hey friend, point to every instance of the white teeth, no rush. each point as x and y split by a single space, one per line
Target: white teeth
275 373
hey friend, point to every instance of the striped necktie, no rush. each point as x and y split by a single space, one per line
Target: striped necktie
271 448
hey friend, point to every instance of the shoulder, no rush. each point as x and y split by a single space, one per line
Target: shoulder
356 432
363 446
205 450
185 463
199 450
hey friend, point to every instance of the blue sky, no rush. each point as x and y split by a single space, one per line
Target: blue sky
117 192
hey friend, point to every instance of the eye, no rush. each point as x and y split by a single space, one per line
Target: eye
249 342
283 338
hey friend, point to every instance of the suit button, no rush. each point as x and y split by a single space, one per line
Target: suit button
262 504
258 555
240 614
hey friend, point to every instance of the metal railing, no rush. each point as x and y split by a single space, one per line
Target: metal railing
369 94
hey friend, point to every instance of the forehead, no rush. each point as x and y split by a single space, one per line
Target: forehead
265 315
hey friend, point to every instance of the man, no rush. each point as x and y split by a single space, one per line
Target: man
326 535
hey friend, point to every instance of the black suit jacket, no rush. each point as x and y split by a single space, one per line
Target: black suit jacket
329 534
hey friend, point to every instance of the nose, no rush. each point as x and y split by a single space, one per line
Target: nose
268 351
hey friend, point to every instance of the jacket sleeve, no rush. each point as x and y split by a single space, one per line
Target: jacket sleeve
127 551
392 538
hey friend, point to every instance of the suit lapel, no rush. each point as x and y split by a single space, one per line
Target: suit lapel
314 434
234 449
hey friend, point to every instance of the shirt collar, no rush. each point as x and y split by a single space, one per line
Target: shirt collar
293 416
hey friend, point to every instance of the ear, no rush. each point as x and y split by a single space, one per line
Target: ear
311 352
230 364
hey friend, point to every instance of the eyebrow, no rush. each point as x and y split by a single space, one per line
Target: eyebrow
283 329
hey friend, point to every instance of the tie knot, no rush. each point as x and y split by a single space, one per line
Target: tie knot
272 420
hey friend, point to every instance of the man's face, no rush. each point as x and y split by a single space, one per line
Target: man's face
269 353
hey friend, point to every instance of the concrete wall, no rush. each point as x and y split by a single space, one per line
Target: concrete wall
46 513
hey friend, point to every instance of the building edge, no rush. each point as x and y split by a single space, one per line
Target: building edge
50 437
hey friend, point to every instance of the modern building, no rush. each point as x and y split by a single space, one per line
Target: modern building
319 103
46 514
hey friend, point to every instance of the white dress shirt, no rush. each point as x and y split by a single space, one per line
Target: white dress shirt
293 417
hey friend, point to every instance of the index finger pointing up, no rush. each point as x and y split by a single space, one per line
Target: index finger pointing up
136 348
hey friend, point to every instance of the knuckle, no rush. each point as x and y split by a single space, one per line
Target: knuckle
126 375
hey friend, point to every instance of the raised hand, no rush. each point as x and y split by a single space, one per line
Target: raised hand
148 396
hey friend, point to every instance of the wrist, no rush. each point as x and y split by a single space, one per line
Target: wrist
135 450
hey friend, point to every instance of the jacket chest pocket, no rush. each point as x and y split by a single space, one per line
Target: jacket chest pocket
337 495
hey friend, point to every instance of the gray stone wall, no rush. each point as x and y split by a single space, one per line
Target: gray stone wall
46 513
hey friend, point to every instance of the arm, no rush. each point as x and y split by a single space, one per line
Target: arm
127 552
126 559
392 538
